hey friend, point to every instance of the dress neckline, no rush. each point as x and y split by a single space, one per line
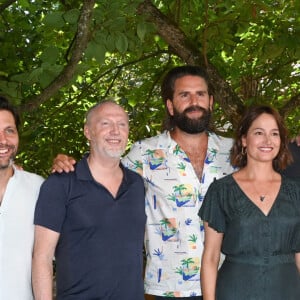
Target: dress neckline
253 203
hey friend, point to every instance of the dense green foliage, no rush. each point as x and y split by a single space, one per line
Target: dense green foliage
60 57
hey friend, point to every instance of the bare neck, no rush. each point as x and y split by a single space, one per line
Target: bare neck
107 172
107 167
262 172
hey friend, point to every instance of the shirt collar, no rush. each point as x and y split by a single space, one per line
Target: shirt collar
83 171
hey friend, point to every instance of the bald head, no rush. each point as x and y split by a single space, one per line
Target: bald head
107 129
104 105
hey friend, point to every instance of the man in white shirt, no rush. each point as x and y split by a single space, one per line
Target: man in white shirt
18 195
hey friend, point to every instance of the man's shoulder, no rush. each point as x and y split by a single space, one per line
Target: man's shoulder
133 159
26 183
219 140
157 141
223 183
220 137
80 170
63 177
29 176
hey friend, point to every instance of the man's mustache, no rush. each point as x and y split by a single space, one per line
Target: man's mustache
9 147
195 108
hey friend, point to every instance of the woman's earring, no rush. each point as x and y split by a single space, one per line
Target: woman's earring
244 151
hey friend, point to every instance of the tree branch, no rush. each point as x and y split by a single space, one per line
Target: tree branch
170 32
80 44
6 4
188 52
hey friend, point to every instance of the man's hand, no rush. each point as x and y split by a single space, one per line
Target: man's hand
63 163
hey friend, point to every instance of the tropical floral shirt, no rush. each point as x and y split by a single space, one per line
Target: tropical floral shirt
174 232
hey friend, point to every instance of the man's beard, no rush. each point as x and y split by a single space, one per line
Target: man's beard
192 126
115 153
4 164
9 163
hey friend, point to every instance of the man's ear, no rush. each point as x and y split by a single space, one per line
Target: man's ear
86 132
211 102
170 107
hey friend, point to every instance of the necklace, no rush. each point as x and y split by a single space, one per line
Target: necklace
262 197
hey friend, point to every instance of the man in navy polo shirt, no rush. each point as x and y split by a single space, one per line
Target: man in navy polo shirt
92 220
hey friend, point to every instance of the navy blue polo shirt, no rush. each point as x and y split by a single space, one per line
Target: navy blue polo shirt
99 252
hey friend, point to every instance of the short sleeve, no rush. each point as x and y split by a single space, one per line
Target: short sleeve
211 210
50 209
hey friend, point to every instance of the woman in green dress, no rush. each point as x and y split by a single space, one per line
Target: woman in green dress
253 217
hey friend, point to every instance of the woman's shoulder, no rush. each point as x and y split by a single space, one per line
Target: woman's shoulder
223 184
228 179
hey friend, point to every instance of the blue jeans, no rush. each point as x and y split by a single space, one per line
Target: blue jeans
181 298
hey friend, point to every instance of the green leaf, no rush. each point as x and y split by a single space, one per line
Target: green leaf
71 16
35 75
100 54
100 37
273 51
20 77
141 30
54 20
95 51
121 42
110 43
24 3
50 55
9 88
50 72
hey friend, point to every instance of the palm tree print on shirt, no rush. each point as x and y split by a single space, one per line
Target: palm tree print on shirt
168 229
183 195
189 269
156 159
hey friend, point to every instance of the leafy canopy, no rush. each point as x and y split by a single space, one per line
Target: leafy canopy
58 58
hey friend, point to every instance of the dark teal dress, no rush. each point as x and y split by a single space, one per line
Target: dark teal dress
260 250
